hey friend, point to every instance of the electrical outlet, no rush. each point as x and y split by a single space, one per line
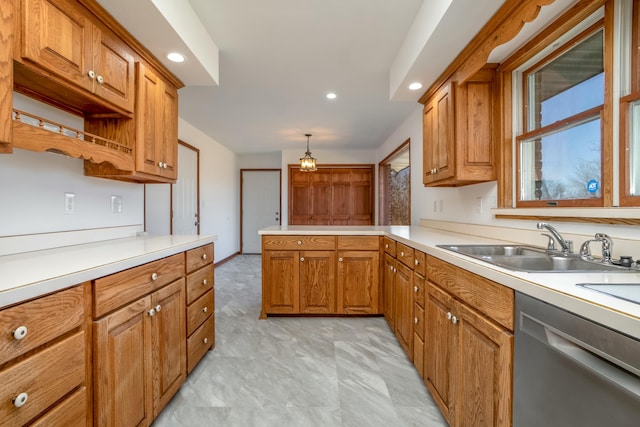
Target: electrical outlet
69 203
478 205
116 204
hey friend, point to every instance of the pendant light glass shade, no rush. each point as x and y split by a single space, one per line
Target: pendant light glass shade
308 163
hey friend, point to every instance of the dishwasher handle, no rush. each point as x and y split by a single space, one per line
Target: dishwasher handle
622 375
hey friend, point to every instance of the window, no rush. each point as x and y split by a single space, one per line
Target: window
559 153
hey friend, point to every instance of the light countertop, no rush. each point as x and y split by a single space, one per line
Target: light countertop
31 274
555 288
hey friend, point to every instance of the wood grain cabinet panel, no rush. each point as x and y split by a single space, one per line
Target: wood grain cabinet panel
280 290
72 412
200 342
199 311
358 278
199 257
199 282
404 317
388 286
317 281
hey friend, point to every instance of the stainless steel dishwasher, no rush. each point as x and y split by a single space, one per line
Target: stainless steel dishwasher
570 371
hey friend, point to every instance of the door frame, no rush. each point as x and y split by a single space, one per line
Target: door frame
242 171
383 183
197 150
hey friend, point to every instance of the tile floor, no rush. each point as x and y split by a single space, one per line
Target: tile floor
297 371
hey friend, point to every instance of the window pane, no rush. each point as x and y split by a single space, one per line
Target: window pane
562 165
634 151
568 85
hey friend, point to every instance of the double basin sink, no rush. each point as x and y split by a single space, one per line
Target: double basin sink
531 258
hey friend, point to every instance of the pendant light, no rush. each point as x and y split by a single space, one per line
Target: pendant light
308 163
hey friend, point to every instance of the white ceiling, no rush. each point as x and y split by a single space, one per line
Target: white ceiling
278 58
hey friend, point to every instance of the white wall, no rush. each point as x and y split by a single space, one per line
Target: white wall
34 184
157 212
219 190
260 161
324 157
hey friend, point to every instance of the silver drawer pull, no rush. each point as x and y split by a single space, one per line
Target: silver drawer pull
154 276
204 256
204 310
20 400
20 332
204 282
206 340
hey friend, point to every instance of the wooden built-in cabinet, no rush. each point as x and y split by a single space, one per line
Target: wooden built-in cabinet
468 356
419 283
140 348
74 56
200 304
320 274
331 196
44 361
459 131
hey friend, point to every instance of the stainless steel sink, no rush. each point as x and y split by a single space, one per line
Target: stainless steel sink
626 291
530 258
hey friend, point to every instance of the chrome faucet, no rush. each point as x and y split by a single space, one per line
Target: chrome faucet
566 245
585 250
607 244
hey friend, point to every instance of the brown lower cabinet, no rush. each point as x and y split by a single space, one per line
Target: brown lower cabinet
468 346
320 275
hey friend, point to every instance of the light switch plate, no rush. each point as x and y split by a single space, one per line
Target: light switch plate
116 204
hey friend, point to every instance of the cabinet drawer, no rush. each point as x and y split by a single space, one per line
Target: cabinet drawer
418 321
199 257
114 291
45 377
488 297
420 263
359 242
389 246
418 289
405 254
199 282
44 318
199 342
197 312
299 242
72 412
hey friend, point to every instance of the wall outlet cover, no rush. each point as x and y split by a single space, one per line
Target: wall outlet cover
116 204
69 203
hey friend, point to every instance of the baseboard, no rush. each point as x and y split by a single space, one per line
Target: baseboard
229 258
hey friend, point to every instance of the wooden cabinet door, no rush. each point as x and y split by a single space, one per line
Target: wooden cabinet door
123 367
341 200
361 197
147 128
168 142
299 197
280 290
320 209
114 67
484 370
388 285
169 343
439 135
58 37
358 278
317 282
404 308
439 368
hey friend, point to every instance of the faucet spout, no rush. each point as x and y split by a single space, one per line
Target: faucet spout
607 245
566 245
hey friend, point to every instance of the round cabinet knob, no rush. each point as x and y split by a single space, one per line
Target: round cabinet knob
91 74
100 80
340 259
386 246
204 310
204 282
20 400
402 253
301 259
206 340
154 276
395 269
416 262
160 164
151 312
204 256
415 289
449 315
391 267
158 308
454 319
20 332
415 320
299 242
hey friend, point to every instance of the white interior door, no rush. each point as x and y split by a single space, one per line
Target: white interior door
185 193
260 206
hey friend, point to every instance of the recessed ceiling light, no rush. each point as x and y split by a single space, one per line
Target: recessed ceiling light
175 57
415 86
331 95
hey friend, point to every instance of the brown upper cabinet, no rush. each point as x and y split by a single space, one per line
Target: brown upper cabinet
459 131
60 41
73 55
